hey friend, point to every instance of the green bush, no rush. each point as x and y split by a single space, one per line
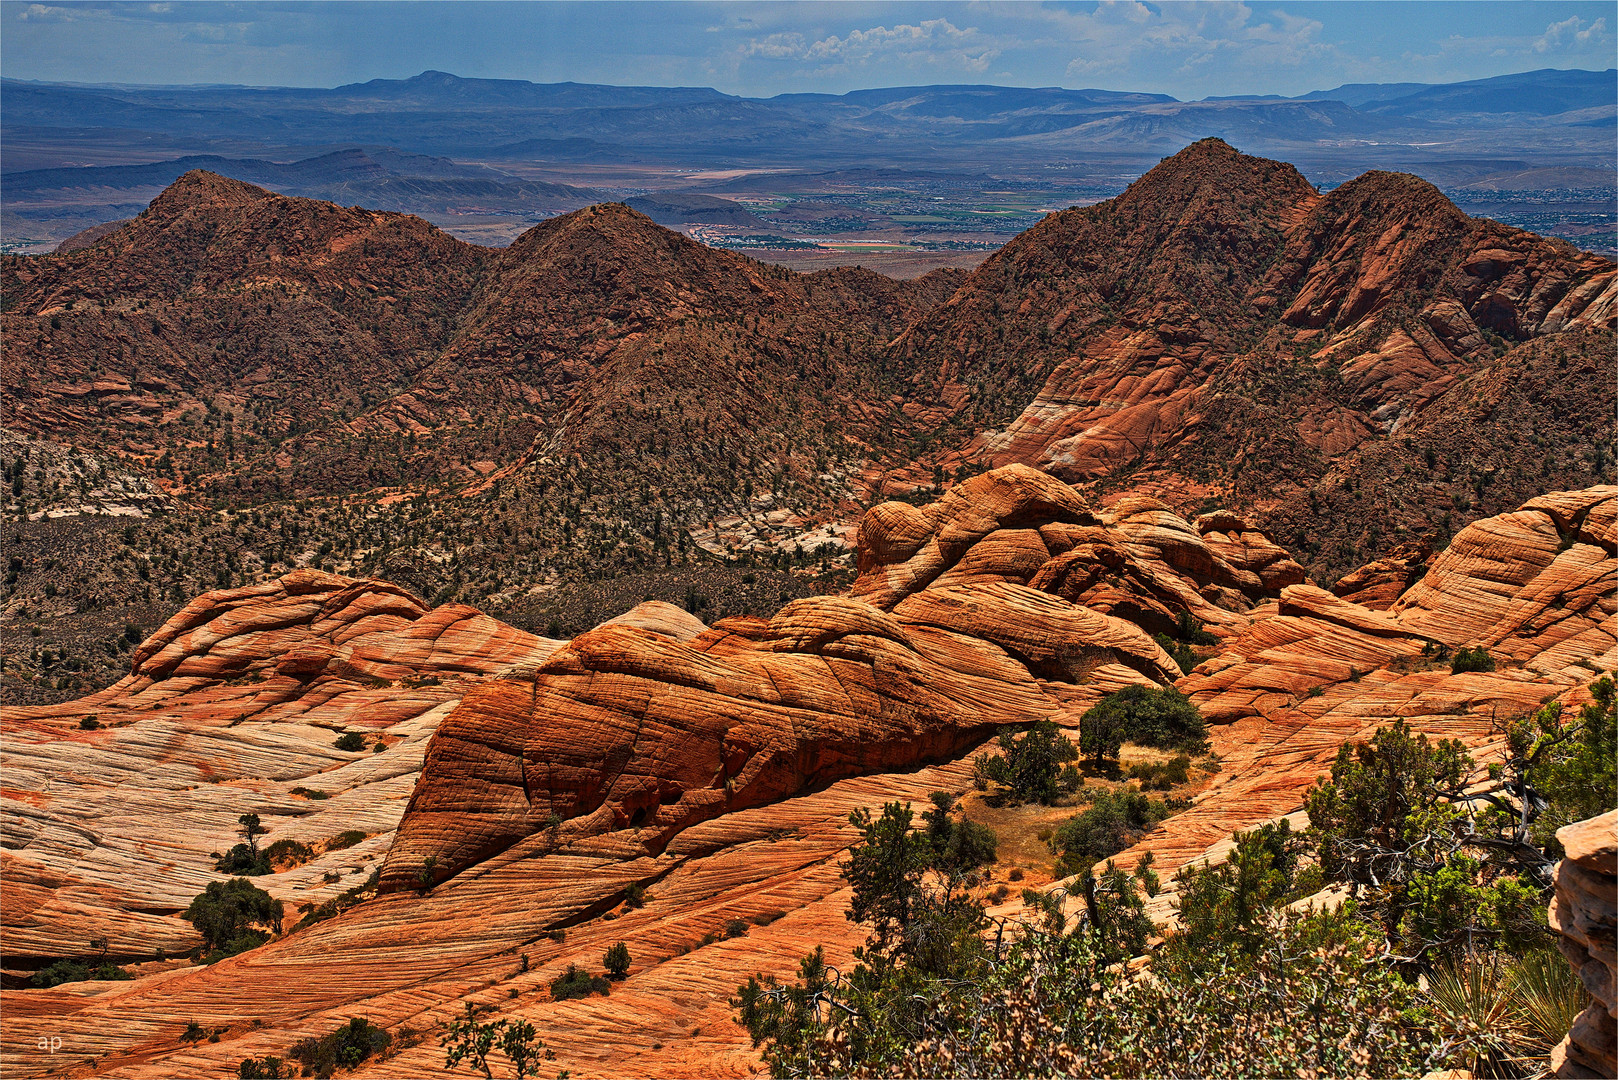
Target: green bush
957 846
1179 651
343 1048
268 1067
1575 768
472 1042
1189 628
344 840
1162 775
243 859
1145 715
1112 823
1471 658
288 851
350 741
226 912
635 895
617 961
1231 902
66 971
575 982
1033 768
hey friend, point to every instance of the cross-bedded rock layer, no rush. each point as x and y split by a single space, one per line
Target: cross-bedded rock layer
1585 912
232 707
970 615
1009 600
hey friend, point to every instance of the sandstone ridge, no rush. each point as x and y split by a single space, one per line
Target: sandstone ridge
715 767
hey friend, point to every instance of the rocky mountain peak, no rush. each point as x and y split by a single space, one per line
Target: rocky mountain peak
200 189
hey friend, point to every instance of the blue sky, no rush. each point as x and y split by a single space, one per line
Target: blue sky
1190 50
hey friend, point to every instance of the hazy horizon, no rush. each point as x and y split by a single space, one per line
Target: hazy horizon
761 50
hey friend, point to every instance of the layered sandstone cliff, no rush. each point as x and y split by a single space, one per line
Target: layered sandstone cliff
1585 912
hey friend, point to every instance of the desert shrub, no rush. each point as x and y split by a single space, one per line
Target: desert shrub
245 857
1471 658
736 928
635 895
1285 1012
242 859
1033 768
1546 996
1112 823
427 875
1189 628
350 741
89 723
290 852
268 1067
472 1042
66 971
1162 775
767 917
1146 715
342 903
616 960
1444 877
575 982
227 912
1572 766
344 840
958 846
343 1048
1232 902
1181 653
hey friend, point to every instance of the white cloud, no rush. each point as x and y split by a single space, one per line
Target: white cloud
863 44
936 42
776 46
53 13
1571 33
1192 38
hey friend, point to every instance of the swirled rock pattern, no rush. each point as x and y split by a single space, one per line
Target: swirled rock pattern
1536 588
1585 912
940 642
715 767
232 707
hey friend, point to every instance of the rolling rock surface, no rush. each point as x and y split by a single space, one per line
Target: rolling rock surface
717 767
1538 588
938 645
1585 912
232 707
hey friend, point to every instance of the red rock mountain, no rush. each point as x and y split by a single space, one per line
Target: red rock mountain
1223 333
333 335
1220 334
1360 373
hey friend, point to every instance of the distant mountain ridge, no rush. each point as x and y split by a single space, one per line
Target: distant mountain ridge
441 114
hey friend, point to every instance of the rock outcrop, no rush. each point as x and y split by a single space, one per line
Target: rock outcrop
1224 330
232 707
714 767
1585 912
942 641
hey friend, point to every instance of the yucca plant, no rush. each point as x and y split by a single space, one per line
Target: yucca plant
1472 1009
1545 994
